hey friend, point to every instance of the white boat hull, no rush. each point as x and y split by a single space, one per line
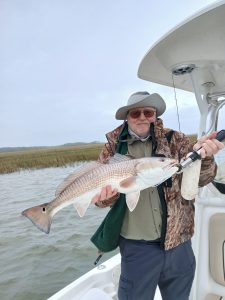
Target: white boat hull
101 283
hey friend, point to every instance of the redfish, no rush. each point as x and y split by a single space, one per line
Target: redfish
129 176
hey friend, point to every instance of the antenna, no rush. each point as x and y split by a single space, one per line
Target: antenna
175 97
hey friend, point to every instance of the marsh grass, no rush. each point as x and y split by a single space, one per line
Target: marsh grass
51 157
48 157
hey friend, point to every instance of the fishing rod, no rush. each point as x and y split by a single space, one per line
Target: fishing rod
195 155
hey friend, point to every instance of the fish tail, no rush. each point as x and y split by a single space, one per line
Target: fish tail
39 216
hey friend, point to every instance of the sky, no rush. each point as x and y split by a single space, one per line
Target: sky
66 66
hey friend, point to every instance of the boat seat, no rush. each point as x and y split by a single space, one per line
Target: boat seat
96 294
213 297
217 247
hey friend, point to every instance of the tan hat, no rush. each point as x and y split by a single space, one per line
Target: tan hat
142 99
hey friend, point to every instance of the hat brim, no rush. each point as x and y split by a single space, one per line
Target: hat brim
153 100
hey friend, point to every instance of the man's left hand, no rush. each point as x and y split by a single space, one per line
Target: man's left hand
210 145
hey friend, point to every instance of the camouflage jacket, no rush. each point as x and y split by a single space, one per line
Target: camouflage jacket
180 213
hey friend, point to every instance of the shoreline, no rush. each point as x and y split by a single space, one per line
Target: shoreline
51 157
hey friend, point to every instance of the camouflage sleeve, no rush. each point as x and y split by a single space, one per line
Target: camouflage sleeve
208 171
179 145
185 145
105 154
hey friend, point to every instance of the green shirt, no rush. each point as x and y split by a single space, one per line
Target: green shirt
145 221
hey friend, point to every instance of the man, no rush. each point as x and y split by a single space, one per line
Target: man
154 239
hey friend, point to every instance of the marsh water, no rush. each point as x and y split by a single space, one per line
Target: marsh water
34 265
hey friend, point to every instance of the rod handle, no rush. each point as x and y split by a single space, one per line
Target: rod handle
196 154
221 135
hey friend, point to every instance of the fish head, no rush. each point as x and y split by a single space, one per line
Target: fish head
155 162
155 170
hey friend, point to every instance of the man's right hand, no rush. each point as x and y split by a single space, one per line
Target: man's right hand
106 193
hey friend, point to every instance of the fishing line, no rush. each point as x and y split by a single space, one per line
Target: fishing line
175 97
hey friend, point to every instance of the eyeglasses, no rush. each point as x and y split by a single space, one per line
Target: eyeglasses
135 114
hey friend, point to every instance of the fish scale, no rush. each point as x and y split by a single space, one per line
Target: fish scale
94 178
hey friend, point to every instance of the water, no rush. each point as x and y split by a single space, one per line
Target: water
34 265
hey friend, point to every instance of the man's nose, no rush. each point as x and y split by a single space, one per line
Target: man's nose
142 115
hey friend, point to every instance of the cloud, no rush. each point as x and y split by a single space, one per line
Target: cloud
67 66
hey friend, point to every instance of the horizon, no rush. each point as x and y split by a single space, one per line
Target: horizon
66 67
66 144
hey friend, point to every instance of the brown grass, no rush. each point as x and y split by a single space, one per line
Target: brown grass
51 157
44 158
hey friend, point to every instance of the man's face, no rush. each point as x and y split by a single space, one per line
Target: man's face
139 119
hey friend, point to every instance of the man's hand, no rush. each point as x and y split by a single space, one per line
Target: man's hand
210 146
106 193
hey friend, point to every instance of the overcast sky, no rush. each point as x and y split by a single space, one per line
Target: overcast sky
67 66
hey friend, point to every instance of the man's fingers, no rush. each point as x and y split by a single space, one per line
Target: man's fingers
106 193
114 192
103 194
210 147
109 192
203 139
95 199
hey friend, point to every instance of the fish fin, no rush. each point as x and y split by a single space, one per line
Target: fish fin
132 200
119 158
78 173
81 205
39 216
128 182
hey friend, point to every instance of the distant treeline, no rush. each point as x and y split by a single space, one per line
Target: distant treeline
45 157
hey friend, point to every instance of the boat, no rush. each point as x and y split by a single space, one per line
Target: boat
190 57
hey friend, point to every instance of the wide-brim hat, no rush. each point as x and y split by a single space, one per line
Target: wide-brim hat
142 99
